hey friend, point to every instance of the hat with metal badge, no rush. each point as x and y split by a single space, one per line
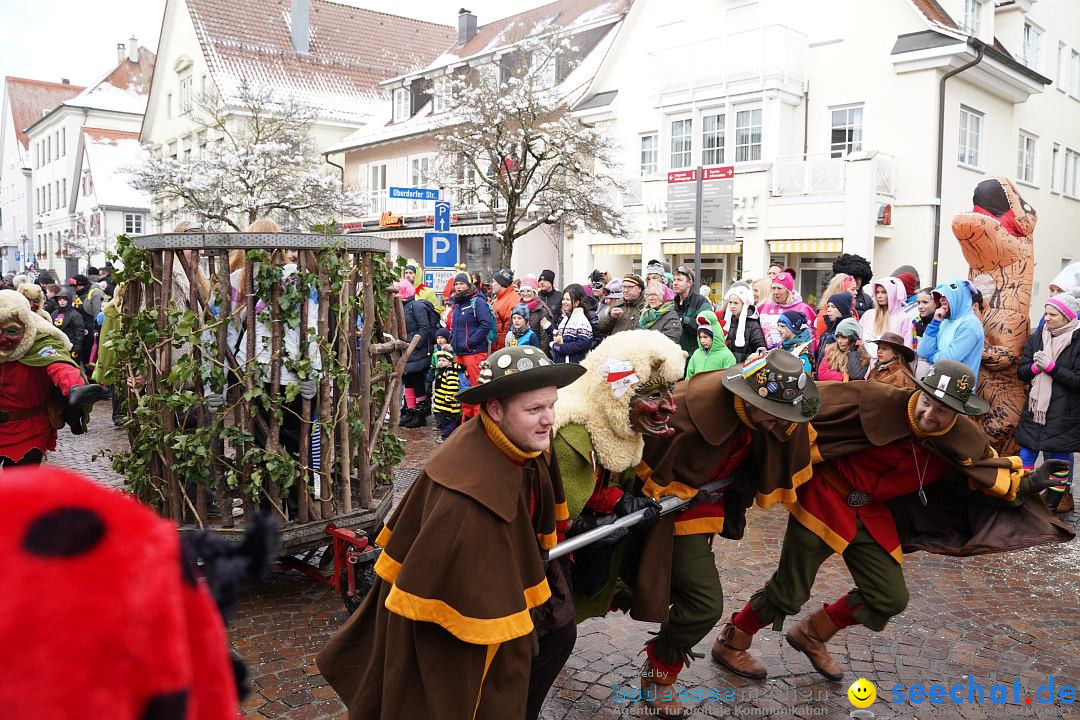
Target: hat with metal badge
776 383
518 369
952 384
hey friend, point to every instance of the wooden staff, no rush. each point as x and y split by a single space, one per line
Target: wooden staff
325 409
217 469
273 440
367 440
303 490
172 484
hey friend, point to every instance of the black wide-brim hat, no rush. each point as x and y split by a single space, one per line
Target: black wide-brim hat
777 384
952 384
516 370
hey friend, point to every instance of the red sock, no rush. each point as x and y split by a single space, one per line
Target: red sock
748 621
410 398
841 614
659 664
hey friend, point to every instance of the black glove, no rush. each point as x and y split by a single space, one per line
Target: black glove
87 395
589 521
632 503
1042 477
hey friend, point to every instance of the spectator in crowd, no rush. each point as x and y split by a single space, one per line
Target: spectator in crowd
414 274
549 294
744 335
844 359
420 319
69 320
712 353
88 299
688 305
1050 422
841 282
955 333
925 305
612 292
51 291
858 267
520 333
1067 281
538 311
837 307
887 315
659 313
505 300
471 322
625 313
910 281
572 337
784 297
774 270
795 337
762 290
657 271
893 362
449 379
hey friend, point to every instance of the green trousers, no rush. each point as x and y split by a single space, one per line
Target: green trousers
879 580
697 599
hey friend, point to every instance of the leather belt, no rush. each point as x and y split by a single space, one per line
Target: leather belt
6 415
854 498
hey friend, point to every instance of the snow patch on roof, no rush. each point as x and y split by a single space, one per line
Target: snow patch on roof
110 156
110 97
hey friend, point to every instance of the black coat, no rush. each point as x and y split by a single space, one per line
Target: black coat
754 337
1061 433
417 323
70 322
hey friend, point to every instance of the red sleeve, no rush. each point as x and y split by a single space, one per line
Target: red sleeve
64 376
603 500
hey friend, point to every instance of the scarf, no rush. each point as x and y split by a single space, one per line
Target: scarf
1053 342
650 316
747 297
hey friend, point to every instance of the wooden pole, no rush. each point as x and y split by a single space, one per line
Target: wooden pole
273 440
172 484
303 491
217 469
325 399
191 269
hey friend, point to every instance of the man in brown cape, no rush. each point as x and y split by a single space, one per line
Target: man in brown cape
465 620
895 470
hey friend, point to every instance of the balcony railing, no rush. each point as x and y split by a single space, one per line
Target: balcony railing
770 56
825 175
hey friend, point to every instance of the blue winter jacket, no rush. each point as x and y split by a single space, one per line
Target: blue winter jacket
960 336
469 325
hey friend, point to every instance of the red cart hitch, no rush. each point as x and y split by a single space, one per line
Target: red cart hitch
354 565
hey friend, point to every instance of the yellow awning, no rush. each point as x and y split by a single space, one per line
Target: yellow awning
617 249
687 248
806 246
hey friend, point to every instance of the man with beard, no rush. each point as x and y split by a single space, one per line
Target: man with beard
549 294
896 469
601 421
746 425
465 620
41 386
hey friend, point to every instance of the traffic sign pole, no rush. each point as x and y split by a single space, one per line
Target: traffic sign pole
697 231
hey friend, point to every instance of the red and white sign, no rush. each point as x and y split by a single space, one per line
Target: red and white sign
681 176
722 172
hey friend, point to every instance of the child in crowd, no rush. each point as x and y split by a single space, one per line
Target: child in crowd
520 333
894 362
449 379
712 352
844 359
69 320
795 336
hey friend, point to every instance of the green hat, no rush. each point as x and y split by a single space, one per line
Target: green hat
518 369
952 384
775 383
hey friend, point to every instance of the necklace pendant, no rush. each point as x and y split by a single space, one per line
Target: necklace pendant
922 497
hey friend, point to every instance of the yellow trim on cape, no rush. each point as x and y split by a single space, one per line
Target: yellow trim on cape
699 526
679 490
506 447
387 568
547 540
827 534
384 536
562 512
488 657
740 410
897 555
786 495
477 631
815 451
1006 484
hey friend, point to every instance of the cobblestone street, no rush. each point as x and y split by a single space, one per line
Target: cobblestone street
995 618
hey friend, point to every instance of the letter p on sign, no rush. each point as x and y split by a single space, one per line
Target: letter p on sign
440 249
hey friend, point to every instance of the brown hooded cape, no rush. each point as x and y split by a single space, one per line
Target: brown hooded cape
446 630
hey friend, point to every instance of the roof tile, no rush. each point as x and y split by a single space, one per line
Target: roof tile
30 100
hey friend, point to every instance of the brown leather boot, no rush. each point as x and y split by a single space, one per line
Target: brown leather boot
1066 504
730 650
809 637
657 692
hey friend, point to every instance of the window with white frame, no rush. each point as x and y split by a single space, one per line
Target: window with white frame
1032 44
649 154
845 130
1074 73
63 142
442 94
1062 68
133 223
748 135
419 175
402 104
467 196
713 128
972 10
1025 158
1055 165
682 140
377 187
970 140
544 69
1070 185
187 92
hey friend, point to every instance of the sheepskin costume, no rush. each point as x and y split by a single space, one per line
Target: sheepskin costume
33 293
602 405
14 306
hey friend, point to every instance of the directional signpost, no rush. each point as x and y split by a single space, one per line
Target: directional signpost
442 216
703 198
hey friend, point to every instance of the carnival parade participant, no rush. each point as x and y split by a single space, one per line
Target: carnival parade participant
893 363
891 468
452 629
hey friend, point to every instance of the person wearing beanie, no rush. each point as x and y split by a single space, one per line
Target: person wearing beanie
657 271
624 313
911 284
795 336
744 334
449 380
784 297
844 359
1050 421
549 294
539 313
88 300
520 333
712 352
415 275
471 325
688 305
506 298
421 320
887 315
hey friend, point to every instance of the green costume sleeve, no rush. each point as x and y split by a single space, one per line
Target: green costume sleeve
576 468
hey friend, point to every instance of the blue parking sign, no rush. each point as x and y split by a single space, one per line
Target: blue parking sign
440 249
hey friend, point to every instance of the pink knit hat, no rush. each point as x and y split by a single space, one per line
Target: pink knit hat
530 281
784 280
1068 305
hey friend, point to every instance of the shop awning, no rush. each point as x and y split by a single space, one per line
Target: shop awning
687 248
617 249
806 246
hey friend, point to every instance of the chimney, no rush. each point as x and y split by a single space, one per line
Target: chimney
121 52
65 81
301 26
466 26
133 49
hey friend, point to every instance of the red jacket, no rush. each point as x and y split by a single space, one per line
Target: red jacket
504 304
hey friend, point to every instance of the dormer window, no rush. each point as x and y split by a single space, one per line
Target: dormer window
442 95
544 69
972 10
402 104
